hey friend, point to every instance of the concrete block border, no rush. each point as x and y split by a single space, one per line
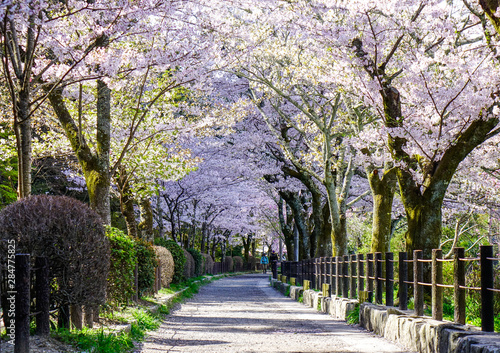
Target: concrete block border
420 334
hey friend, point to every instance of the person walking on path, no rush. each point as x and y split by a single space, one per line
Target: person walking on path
264 261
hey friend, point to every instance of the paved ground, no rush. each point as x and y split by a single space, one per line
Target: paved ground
244 314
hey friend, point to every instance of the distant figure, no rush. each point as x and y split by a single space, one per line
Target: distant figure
264 261
274 257
283 258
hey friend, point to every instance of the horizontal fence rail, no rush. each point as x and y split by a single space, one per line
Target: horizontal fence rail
346 276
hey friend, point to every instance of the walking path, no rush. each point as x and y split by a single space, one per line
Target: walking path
244 314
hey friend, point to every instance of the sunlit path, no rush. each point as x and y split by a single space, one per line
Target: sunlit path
244 314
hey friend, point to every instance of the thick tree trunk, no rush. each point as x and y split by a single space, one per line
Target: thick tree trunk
324 247
293 201
126 201
95 166
383 189
286 228
146 224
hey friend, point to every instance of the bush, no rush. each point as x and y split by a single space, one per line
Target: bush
121 284
208 264
189 265
252 262
179 258
198 262
146 258
71 235
229 263
166 261
238 263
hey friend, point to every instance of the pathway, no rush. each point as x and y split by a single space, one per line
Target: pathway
244 314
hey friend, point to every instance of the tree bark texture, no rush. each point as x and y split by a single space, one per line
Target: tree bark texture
95 166
383 188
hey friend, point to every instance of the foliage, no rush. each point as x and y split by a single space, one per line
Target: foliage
353 317
238 263
228 261
166 261
146 258
97 341
178 255
188 265
70 234
208 264
145 321
198 261
123 260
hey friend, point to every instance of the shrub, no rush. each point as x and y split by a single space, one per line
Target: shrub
71 235
252 262
228 260
166 261
208 264
198 262
189 265
121 284
238 263
179 258
146 258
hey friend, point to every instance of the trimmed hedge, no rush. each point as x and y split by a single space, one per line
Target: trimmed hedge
179 258
189 265
208 264
228 260
238 263
198 262
252 262
166 261
121 285
146 258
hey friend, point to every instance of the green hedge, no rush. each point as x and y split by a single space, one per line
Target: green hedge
198 261
146 258
178 255
122 264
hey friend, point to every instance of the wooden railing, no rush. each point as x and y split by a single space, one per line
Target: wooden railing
345 276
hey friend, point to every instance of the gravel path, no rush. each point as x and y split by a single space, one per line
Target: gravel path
244 314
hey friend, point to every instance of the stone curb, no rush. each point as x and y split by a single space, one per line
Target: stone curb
421 334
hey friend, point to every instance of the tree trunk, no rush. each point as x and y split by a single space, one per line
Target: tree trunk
383 189
286 228
95 166
146 225
324 247
126 201
293 201
22 127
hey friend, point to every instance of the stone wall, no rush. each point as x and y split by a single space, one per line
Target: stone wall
420 334
425 335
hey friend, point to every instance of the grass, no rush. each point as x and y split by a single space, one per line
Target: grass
353 317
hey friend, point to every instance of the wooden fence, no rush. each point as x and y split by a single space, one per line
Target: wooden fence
347 275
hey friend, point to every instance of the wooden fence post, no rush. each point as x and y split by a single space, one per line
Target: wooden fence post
338 260
22 303
333 275
353 277
317 276
437 278
487 297
418 277
378 277
403 276
369 272
42 292
345 273
361 284
459 283
389 279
